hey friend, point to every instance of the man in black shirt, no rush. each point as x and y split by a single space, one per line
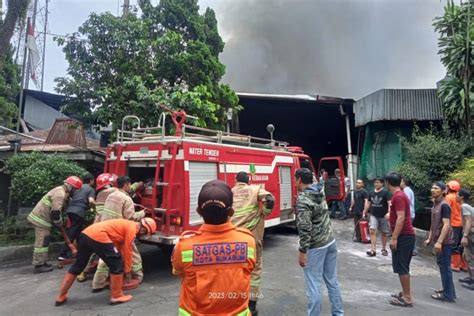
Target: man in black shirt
81 201
359 205
441 238
378 209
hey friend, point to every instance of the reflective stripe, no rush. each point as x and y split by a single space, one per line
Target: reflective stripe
246 312
251 252
38 220
46 201
40 249
267 211
111 213
105 269
183 312
255 282
137 267
187 256
252 223
244 210
99 208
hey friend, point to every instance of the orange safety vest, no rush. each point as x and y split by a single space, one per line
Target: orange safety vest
120 232
456 219
215 264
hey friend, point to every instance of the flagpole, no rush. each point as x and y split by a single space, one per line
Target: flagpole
20 107
22 85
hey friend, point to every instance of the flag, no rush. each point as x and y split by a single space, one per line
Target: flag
34 56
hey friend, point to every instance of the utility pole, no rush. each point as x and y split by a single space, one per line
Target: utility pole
126 8
46 13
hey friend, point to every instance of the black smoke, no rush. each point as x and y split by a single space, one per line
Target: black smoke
345 48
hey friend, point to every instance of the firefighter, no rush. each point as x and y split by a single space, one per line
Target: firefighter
250 213
47 213
215 262
105 185
136 190
457 263
113 242
119 205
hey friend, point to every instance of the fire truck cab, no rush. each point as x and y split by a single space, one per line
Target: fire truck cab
174 167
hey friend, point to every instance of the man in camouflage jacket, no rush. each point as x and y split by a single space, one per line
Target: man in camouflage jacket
317 251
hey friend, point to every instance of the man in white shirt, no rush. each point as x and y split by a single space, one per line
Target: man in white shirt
467 241
406 187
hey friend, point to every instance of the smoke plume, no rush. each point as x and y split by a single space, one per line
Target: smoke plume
345 48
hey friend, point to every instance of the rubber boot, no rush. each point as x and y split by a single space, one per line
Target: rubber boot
456 262
68 280
133 284
42 268
464 265
82 277
116 294
253 308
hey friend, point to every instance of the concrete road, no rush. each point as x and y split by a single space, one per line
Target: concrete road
366 285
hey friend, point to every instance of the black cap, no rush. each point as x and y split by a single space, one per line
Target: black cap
217 193
441 185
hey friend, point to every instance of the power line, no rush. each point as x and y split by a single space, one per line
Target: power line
63 36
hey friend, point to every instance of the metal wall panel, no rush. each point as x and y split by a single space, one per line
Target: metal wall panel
199 173
398 104
285 188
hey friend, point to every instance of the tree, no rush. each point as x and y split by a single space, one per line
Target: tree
456 40
34 174
9 72
16 10
130 65
431 156
9 89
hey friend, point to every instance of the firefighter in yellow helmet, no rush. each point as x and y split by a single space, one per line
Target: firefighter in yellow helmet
44 215
119 205
251 204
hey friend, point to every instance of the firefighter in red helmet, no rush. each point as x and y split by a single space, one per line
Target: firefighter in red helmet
457 263
47 213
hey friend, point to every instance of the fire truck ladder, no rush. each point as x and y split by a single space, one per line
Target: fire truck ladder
185 131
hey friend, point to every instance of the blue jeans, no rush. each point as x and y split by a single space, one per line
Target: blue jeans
444 263
338 205
322 264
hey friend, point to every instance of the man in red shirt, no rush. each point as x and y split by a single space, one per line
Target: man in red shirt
403 239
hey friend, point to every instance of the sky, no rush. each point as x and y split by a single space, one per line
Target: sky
343 48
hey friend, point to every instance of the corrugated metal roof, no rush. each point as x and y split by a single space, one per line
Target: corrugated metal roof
398 105
296 97
91 143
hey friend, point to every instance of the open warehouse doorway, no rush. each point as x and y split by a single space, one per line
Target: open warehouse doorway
315 123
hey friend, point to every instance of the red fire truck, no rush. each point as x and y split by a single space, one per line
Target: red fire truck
174 167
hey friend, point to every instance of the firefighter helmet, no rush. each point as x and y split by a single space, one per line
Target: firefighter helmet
113 179
149 224
74 181
102 180
453 185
